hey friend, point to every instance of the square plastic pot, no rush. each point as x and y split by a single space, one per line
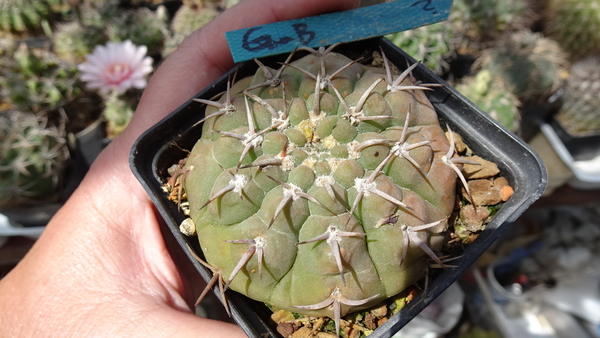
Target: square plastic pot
165 144
582 148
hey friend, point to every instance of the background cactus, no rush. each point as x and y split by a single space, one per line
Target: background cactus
434 45
37 82
72 41
118 111
23 15
575 25
33 156
492 96
580 112
529 63
483 21
143 27
186 20
326 182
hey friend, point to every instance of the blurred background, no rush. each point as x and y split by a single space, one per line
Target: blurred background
532 65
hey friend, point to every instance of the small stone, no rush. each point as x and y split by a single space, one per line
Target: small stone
506 192
484 192
380 311
471 220
370 321
500 182
282 316
302 332
286 329
484 168
187 227
459 144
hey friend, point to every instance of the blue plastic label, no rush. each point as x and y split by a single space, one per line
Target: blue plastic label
327 29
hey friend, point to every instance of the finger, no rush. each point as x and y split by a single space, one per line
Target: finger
205 55
180 324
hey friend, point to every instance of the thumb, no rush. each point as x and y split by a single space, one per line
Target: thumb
205 55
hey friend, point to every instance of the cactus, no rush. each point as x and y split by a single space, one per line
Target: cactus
575 25
434 44
580 112
185 21
118 111
484 21
24 15
323 187
33 156
142 26
37 82
72 41
492 96
528 62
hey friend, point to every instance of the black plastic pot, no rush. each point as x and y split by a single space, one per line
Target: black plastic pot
582 148
165 144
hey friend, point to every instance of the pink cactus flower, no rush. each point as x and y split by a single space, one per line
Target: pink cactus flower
117 66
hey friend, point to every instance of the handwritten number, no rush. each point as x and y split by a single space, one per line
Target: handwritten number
426 6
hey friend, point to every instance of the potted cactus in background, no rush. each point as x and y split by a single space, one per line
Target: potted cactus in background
33 161
574 24
577 122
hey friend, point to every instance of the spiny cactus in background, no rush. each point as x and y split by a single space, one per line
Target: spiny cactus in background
434 45
528 62
118 111
322 187
73 41
185 21
580 112
575 25
24 15
492 96
37 82
142 26
33 156
482 21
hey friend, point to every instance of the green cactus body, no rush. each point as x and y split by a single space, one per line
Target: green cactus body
580 112
492 96
483 21
37 83
529 63
185 21
318 187
24 15
32 158
118 112
575 25
142 26
433 44
72 41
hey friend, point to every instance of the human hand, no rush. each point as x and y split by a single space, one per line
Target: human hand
101 267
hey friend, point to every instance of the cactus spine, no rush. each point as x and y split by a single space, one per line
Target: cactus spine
529 63
33 156
434 45
575 25
37 82
580 112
